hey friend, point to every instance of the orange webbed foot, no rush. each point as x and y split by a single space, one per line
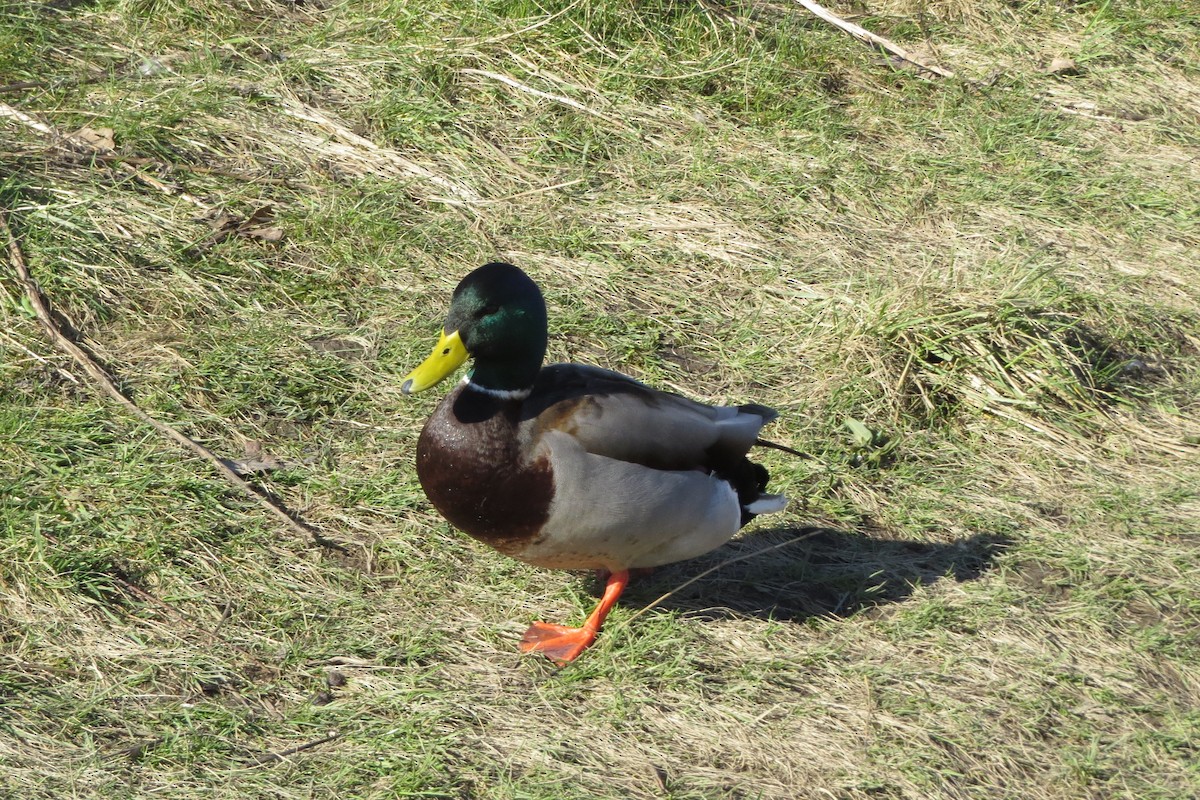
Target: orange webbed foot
562 644
559 643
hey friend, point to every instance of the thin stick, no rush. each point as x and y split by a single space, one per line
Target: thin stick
522 87
128 163
20 116
873 39
105 383
808 534
139 161
267 758
38 358
74 145
535 190
20 86
294 108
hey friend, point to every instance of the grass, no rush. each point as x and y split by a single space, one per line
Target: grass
994 275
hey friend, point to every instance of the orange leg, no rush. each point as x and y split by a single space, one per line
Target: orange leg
562 644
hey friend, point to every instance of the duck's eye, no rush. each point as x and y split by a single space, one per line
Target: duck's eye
487 311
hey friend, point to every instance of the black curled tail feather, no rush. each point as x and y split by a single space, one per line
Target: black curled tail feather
776 446
749 480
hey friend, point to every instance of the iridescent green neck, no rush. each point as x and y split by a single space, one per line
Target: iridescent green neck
514 372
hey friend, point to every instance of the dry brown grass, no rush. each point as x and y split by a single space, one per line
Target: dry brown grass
997 276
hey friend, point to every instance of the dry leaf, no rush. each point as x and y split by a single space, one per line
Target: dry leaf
255 461
95 138
224 223
261 215
345 349
266 234
1062 66
256 226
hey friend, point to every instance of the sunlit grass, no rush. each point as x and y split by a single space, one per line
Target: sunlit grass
973 301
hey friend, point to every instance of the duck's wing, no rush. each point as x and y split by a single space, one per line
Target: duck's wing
613 415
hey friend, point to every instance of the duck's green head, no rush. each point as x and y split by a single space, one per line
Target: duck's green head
498 317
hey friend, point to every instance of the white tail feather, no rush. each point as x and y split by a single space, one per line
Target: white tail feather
767 504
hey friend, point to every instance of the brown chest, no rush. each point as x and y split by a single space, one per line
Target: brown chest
474 471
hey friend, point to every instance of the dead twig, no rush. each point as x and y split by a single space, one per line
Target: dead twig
105 383
129 163
873 39
20 86
461 194
29 122
62 372
1086 108
269 758
76 144
197 169
557 98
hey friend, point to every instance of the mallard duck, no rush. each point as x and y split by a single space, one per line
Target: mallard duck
570 466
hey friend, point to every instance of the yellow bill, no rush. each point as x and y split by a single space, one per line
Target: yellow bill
447 356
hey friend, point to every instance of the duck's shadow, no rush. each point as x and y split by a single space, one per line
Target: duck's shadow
793 574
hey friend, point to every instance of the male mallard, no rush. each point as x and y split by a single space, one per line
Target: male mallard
575 467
